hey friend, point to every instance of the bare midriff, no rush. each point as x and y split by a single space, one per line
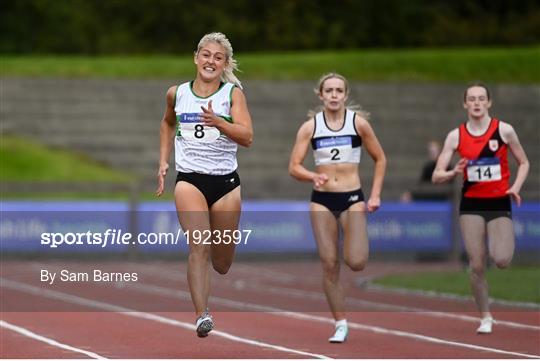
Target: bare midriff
342 177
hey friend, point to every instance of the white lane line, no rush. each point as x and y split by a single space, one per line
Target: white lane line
35 336
295 293
273 275
382 330
449 296
66 297
301 294
163 291
279 276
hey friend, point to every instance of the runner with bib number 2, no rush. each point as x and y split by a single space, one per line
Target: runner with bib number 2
337 135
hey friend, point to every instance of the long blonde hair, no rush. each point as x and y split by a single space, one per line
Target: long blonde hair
232 66
351 106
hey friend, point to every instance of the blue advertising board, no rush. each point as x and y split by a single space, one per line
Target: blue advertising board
277 226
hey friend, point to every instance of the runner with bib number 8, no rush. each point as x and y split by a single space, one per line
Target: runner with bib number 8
485 209
210 118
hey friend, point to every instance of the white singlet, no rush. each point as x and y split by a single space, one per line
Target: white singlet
336 146
199 148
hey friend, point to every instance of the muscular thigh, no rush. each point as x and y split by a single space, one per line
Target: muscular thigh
224 220
501 238
354 224
326 232
473 231
191 207
192 211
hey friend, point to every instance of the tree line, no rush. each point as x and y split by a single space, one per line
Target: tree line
95 27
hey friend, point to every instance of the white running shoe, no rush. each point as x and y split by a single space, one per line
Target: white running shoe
204 324
486 324
340 335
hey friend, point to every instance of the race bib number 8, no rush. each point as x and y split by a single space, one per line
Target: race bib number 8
484 170
193 128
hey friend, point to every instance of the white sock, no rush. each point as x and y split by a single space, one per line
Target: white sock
341 323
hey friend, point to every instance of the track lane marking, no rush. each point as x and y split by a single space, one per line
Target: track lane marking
66 297
163 291
49 341
449 296
296 293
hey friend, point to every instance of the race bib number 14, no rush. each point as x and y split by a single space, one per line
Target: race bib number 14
484 170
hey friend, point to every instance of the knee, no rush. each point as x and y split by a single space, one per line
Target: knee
477 267
503 262
199 254
356 265
330 268
221 267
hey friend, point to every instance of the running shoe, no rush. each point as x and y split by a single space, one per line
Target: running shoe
204 324
486 325
340 335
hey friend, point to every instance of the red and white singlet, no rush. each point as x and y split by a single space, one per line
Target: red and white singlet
487 173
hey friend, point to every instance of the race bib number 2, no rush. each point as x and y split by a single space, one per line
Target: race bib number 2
484 170
193 128
334 150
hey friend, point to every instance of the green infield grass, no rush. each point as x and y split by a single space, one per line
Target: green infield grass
29 161
494 65
518 283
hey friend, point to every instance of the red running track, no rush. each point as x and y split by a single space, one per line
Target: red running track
261 310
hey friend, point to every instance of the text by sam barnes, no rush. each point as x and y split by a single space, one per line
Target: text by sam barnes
95 275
